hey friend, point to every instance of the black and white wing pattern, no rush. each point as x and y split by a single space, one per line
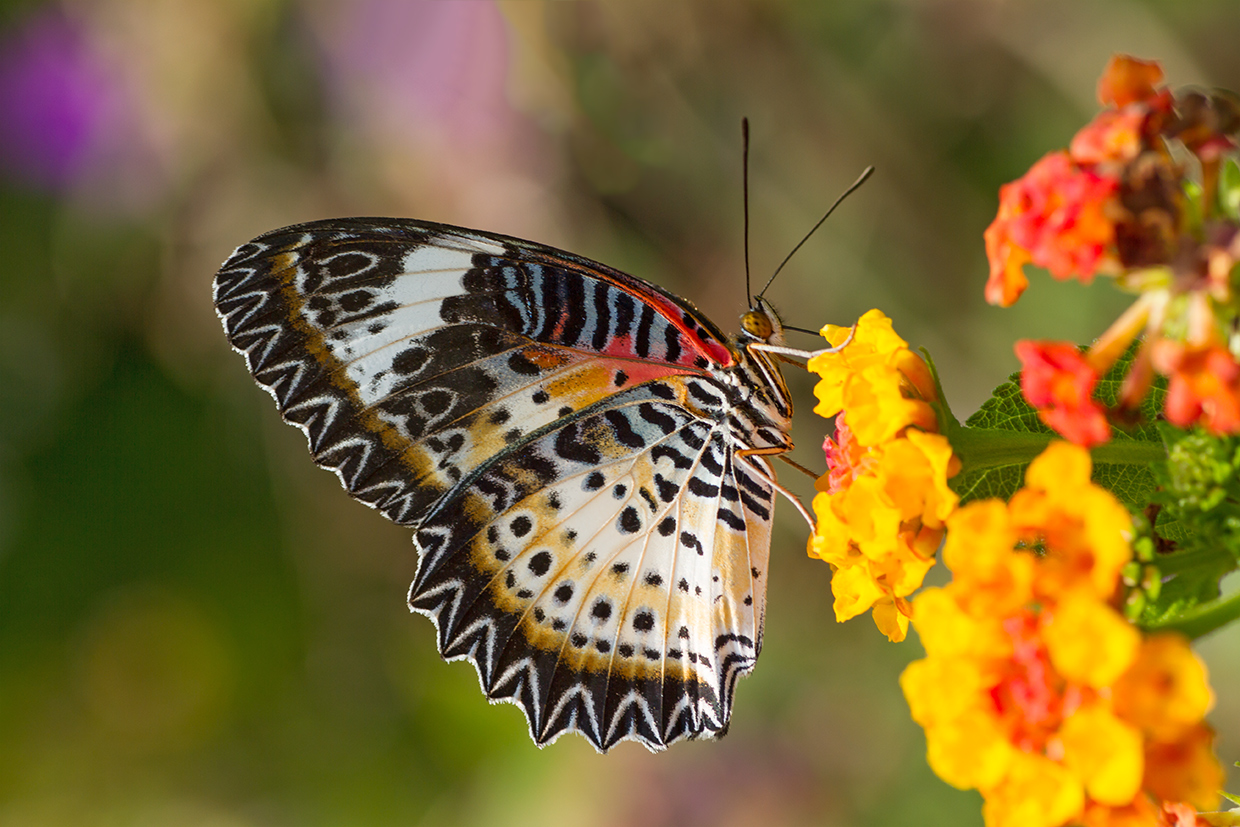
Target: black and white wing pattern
578 452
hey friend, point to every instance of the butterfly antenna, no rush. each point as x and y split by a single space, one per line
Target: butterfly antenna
860 180
745 196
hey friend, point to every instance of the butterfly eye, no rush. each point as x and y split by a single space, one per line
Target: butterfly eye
757 324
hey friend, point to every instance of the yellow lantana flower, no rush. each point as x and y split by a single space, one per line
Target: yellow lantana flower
1034 689
884 500
1090 529
877 377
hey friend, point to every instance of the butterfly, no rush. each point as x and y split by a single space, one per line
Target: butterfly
581 455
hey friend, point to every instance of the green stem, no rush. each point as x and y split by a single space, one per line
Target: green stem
983 448
1129 452
1201 619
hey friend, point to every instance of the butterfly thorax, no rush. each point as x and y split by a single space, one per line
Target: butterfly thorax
763 408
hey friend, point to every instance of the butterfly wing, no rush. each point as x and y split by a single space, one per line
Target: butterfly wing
552 430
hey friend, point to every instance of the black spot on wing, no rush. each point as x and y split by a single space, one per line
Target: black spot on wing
641 342
623 429
702 395
667 451
664 422
629 522
731 520
570 445
701 488
671 339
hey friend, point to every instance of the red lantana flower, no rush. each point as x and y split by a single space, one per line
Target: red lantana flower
1059 382
1204 387
1057 217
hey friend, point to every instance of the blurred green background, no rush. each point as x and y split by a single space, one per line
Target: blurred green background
197 627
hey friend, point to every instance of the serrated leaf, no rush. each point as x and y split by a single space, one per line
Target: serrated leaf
1186 589
1179 593
1172 528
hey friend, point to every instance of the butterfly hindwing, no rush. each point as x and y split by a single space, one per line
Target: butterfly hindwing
587 585
556 434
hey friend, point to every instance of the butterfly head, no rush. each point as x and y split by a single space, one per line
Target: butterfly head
762 323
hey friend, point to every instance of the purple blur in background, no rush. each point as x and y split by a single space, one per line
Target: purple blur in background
58 99
437 68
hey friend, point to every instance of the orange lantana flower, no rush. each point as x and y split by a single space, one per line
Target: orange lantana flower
1034 689
1127 79
1204 386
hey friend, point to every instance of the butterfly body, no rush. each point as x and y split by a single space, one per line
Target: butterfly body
579 453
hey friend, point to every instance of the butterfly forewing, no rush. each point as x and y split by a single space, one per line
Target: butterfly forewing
559 436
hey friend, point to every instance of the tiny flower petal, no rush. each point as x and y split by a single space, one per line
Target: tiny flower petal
855 591
1128 80
969 751
844 457
939 501
1204 386
1185 769
1105 752
875 398
1140 812
1166 691
1084 525
868 377
874 342
1115 135
1089 642
1036 792
980 551
891 617
1007 258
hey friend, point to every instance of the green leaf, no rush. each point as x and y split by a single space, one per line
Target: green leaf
1172 528
1007 410
1186 589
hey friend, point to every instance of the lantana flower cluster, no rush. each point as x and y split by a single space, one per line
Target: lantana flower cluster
1035 690
881 507
1119 201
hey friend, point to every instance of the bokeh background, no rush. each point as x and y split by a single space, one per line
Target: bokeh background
199 628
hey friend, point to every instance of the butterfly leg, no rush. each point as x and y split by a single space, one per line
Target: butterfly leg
743 456
807 472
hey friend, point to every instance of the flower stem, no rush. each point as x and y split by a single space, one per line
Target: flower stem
1201 619
1129 452
983 448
